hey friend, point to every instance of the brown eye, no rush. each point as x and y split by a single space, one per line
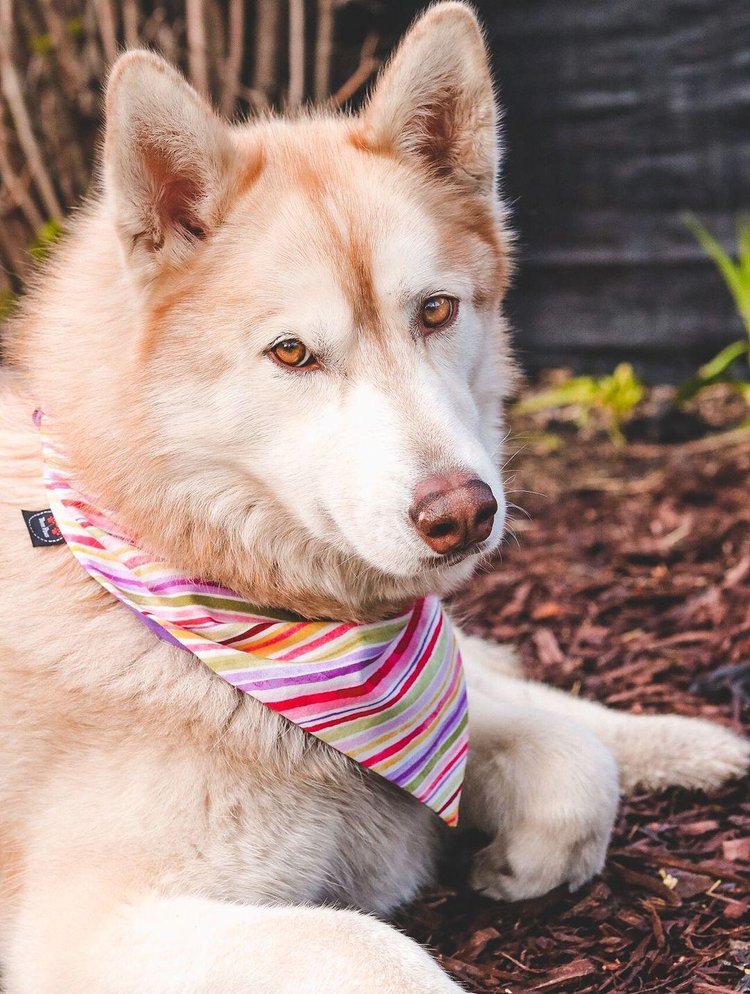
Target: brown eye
438 311
291 352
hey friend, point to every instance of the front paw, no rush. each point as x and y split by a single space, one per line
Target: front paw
555 826
657 751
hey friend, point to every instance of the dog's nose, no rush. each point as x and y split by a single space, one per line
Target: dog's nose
453 511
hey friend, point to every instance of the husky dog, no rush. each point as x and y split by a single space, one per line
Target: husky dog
275 351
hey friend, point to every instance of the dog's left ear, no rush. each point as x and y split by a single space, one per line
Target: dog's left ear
434 101
168 161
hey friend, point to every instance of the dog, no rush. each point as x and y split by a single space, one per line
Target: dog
275 350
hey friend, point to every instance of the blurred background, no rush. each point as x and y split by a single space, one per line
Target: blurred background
620 119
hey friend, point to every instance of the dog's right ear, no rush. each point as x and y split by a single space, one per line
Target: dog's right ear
434 103
168 161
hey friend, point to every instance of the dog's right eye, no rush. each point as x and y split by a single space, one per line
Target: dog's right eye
438 311
291 352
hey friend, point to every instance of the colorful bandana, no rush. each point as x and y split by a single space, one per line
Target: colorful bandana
390 695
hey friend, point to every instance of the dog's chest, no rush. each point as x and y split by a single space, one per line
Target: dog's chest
318 829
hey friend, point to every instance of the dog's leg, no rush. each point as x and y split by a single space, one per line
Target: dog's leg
69 942
545 790
542 778
495 657
652 751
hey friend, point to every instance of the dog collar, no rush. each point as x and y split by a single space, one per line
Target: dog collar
390 695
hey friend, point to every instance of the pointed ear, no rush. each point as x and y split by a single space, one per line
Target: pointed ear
434 100
168 160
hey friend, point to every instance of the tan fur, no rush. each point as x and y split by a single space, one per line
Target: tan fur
158 831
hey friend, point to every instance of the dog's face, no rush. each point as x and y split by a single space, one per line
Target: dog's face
321 338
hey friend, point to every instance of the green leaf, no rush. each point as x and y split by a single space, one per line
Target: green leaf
621 391
743 256
576 390
712 371
736 274
41 44
721 362
7 303
46 237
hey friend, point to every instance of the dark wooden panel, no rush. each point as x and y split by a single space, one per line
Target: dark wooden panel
620 115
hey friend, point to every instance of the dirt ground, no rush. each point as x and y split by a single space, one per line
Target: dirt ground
628 582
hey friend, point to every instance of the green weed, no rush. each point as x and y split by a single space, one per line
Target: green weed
615 396
7 303
45 238
736 275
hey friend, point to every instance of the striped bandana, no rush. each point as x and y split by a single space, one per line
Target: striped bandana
390 695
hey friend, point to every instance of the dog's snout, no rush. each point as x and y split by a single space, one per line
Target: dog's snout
453 511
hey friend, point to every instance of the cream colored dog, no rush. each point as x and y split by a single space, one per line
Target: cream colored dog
275 351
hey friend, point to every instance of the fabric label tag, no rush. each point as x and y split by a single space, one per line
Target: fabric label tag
42 527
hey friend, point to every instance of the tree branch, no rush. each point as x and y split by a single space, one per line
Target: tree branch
233 65
72 77
197 47
265 56
13 184
324 50
130 22
368 64
13 93
107 19
296 92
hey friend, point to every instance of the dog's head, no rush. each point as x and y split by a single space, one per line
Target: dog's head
318 352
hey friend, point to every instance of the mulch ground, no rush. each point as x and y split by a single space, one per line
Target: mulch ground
629 583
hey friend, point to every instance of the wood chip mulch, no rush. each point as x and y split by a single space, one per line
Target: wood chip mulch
629 583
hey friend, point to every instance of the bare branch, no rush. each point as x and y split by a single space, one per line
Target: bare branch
130 22
265 57
92 51
13 93
158 30
10 248
6 283
324 49
216 44
105 14
368 64
72 77
197 47
14 185
55 109
233 66
255 98
296 52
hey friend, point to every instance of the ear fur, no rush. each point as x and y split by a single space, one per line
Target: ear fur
167 160
435 101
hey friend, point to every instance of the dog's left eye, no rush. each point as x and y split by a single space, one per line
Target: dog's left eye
294 354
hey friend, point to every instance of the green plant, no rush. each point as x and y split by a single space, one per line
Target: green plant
41 44
7 303
736 275
76 27
45 238
615 396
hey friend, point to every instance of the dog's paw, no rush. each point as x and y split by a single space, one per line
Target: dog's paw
670 751
557 829
537 863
